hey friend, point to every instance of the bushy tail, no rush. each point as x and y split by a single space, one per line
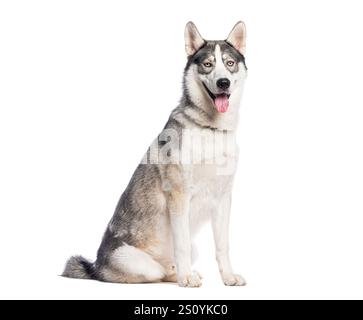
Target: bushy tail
80 268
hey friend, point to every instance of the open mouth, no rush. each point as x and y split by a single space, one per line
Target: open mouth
220 101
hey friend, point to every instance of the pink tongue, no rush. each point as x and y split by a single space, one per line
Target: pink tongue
221 103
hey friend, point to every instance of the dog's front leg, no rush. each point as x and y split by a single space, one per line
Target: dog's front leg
220 222
179 220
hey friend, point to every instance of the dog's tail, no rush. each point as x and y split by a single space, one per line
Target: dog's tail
80 268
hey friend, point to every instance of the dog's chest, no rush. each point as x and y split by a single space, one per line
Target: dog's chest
207 192
211 157
207 185
214 161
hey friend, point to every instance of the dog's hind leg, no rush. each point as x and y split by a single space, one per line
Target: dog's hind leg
128 264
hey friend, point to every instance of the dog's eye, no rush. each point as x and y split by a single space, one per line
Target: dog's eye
230 63
207 64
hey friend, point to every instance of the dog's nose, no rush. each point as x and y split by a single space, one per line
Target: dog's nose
223 83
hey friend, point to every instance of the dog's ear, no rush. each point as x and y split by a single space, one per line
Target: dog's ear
193 39
237 37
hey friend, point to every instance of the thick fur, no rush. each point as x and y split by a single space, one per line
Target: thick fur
149 238
79 268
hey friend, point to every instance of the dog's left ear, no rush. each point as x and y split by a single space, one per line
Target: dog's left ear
193 39
237 37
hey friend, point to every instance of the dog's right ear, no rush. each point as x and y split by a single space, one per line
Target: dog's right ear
193 39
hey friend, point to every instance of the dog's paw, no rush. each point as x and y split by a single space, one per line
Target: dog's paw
191 280
233 280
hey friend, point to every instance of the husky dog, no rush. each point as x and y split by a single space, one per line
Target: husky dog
184 179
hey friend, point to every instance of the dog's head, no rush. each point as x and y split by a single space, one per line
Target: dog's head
215 69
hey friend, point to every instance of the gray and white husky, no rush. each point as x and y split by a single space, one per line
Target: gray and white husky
184 179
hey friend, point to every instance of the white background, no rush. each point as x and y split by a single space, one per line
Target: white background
86 85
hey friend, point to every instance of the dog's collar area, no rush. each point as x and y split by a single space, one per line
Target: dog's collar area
212 95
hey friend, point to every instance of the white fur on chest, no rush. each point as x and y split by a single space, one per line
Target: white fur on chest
210 176
209 154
